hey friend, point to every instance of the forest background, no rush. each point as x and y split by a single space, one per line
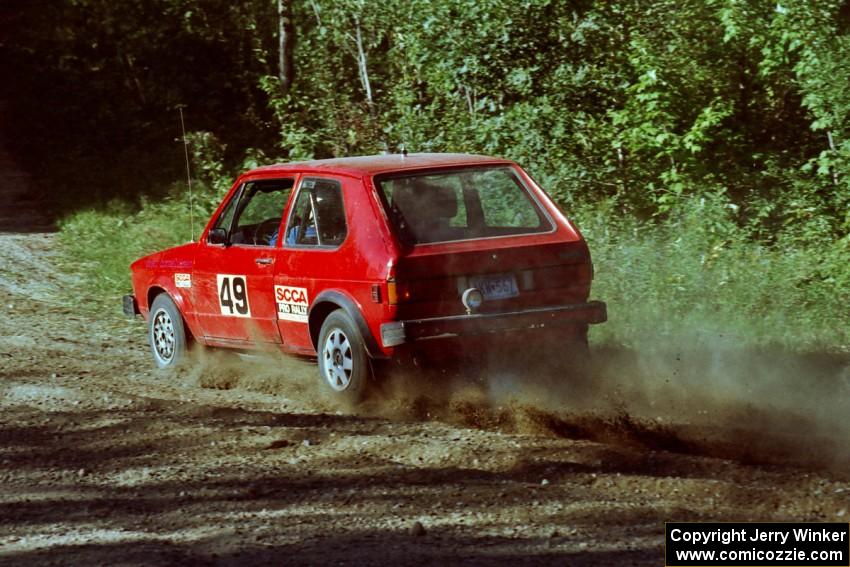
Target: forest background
703 147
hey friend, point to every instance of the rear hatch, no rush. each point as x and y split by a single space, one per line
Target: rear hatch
480 227
512 278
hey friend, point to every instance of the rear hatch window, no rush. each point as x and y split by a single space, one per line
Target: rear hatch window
461 204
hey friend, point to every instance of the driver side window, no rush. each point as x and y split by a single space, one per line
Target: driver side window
258 215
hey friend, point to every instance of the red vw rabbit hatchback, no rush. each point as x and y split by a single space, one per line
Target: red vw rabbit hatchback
361 259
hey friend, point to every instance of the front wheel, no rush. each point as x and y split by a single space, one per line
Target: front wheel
166 333
343 362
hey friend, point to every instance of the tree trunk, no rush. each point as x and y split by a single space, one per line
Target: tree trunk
832 148
362 62
286 40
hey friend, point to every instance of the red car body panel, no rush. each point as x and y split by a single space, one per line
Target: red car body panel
553 268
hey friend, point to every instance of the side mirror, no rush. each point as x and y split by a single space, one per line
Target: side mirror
217 236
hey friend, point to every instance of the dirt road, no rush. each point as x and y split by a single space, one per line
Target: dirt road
105 461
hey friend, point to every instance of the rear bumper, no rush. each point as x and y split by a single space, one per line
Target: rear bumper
131 306
399 332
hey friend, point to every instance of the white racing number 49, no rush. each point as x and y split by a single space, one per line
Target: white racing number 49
233 295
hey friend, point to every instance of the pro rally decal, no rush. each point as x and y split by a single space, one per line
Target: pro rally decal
182 280
291 302
233 295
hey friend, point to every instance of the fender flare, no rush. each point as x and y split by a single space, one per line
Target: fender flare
348 305
179 299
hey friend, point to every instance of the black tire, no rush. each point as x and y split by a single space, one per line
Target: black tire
166 333
343 362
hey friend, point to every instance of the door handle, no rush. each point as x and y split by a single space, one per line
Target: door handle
263 261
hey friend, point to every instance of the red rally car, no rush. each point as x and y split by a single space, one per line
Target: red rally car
355 260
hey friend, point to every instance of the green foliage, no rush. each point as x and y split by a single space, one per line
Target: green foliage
208 169
699 277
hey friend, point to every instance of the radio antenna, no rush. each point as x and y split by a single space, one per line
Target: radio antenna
188 171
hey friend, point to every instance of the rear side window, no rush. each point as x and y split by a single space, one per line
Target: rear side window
318 216
461 204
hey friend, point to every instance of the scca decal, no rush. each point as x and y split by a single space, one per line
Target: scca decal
233 295
292 303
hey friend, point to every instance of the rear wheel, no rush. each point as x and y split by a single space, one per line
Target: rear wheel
343 362
166 333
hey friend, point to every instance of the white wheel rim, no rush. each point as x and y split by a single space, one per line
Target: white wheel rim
337 360
162 336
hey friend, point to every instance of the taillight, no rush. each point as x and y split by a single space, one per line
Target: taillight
397 292
392 293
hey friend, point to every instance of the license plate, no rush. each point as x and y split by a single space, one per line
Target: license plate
499 286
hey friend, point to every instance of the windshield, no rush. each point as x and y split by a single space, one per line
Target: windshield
460 205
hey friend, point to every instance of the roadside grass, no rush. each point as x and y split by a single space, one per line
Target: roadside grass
698 280
694 278
101 244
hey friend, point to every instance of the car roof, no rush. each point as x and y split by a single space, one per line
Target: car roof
372 165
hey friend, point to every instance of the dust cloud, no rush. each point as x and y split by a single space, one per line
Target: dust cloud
696 395
716 397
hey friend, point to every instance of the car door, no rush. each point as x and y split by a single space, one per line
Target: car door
233 280
316 229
